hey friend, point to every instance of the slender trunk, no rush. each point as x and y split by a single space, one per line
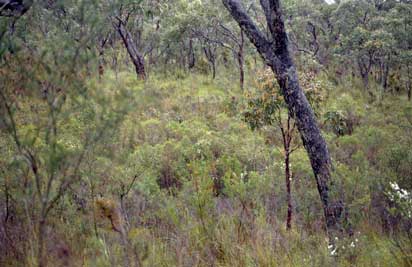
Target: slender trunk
365 80
209 53
192 58
364 72
182 57
101 65
41 260
135 56
385 77
213 70
409 84
240 59
287 140
288 190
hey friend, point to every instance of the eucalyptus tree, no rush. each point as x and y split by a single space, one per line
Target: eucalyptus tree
399 23
120 13
363 39
274 49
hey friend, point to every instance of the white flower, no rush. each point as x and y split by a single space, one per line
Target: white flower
394 186
352 245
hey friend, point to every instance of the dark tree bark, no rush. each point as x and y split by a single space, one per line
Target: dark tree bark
41 243
287 135
240 59
191 55
211 57
135 56
101 48
275 52
365 67
14 8
288 190
409 83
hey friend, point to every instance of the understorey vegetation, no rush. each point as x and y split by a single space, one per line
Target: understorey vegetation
205 133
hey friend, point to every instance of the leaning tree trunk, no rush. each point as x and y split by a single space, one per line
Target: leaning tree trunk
135 56
275 52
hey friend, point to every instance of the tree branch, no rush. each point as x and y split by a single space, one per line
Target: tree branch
248 26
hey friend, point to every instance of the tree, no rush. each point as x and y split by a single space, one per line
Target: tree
14 8
135 56
120 20
268 109
275 52
399 23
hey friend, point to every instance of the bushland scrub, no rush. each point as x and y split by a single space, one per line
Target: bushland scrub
205 133
184 181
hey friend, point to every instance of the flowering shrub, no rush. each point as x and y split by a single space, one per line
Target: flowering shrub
401 198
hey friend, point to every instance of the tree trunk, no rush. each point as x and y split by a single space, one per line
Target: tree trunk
288 190
210 55
41 260
275 52
364 72
287 142
135 56
240 60
191 56
409 84
385 77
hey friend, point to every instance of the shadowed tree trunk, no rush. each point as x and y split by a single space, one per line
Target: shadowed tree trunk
135 56
240 59
191 55
409 84
211 57
275 52
365 67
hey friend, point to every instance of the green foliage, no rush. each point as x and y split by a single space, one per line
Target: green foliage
100 169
